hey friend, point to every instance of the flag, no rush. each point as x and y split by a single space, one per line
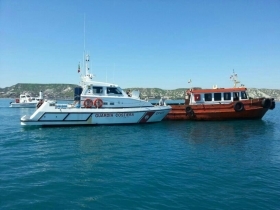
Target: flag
190 81
79 69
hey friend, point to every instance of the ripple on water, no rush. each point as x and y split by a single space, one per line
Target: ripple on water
167 165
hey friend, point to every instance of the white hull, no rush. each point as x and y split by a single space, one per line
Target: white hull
51 115
24 105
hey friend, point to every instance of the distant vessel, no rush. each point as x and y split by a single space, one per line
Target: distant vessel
220 104
26 101
97 103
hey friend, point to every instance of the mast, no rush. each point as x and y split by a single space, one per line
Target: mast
234 78
87 77
86 60
87 64
84 54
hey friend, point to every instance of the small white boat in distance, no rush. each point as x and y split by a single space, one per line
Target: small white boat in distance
26 101
97 103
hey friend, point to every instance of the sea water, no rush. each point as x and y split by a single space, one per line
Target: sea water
165 165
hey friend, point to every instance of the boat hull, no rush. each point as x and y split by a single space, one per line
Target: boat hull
54 116
252 110
23 105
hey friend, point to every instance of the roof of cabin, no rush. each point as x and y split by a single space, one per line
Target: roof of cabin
104 84
218 90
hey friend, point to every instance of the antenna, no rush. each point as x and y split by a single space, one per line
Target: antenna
84 53
114 74
234 78
84 32
86 59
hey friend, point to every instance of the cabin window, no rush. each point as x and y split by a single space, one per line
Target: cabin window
217 96
227 96
111 103
97 90
243 95
208 96
235 96
113 90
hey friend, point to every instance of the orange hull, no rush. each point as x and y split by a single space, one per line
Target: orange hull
253 109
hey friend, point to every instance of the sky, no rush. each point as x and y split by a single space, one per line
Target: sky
141 43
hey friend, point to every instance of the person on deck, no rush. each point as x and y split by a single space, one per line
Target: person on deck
128 93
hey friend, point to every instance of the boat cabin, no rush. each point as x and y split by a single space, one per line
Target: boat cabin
91 93
215 96
108 95
102 90
24 98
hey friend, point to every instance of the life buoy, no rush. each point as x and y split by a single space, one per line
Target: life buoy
29 99
266 103
189 111
88 103
272 105
98 103
238 106
39 104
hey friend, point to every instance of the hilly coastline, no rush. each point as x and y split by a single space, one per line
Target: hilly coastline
65 91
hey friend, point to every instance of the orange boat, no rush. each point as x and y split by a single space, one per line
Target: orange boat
220 104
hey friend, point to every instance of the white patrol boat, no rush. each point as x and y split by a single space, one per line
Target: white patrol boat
97 103
26 101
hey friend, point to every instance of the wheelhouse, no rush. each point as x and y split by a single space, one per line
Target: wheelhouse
93 90
108 96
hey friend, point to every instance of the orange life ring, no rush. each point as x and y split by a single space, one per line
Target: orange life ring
98 103
88 103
